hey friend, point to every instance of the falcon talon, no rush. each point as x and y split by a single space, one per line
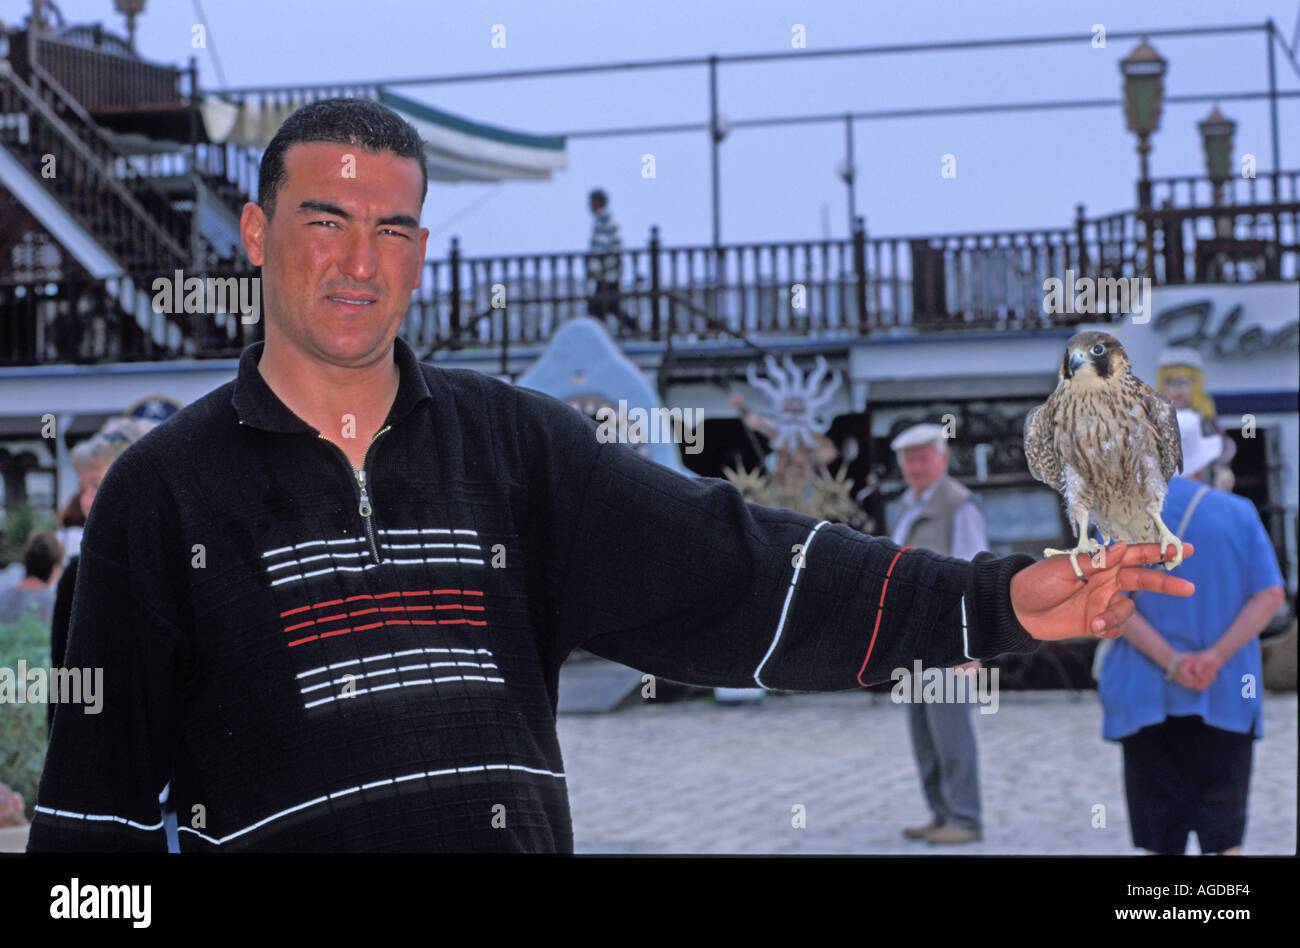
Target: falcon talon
1074 563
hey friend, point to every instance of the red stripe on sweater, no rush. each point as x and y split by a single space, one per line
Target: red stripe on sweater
377 625
880 610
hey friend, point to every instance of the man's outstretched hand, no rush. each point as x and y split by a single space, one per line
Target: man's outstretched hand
1051 603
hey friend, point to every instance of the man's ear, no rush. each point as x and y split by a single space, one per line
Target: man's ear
419 271
252 232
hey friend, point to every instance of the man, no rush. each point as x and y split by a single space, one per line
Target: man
331 598
1181 690
939 514
34 593
604 261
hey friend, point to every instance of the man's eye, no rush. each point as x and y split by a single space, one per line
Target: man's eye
331 223
395 233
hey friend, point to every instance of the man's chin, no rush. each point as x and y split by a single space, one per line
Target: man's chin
354 351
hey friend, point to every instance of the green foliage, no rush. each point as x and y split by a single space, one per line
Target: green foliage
22 726
18 525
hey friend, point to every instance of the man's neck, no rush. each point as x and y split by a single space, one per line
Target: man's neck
346 405
915 494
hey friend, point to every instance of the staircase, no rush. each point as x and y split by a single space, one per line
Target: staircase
145 232
61 145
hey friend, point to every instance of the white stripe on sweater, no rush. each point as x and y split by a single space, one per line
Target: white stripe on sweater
302 546
789 594
965 645
358 569
393 671
403 684
97 818
367 786
401 654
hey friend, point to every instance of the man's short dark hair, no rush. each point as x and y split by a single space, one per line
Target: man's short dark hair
42 553
598 196
361 122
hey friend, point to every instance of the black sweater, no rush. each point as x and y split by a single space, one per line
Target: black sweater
312 679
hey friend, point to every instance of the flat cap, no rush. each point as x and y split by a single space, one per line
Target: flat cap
916 436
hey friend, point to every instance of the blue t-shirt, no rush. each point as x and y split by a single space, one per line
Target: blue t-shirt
1233 561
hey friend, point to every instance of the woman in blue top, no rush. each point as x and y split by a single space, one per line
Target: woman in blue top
1180 690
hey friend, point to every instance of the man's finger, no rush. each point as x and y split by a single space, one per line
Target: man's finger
1141 553
1107 624
1133 578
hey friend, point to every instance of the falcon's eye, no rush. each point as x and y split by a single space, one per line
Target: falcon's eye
1098 349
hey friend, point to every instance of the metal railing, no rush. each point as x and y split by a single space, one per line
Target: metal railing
99 79
841 289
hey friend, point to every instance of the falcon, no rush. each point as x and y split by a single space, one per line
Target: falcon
1109 443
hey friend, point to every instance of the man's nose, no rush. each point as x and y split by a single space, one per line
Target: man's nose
359 256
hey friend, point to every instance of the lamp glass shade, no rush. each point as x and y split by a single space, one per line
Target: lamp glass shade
1216 135
1143 70
1142 102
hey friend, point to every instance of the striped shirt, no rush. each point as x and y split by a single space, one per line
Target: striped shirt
605 263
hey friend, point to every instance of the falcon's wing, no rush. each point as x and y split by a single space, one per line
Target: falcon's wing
1164 418
1040 447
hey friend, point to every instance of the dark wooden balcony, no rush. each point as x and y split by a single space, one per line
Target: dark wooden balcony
848 288
100 71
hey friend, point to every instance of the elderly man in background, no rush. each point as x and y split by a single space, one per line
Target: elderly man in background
937 513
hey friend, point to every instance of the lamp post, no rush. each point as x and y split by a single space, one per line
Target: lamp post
847 171
1144 72
130 9
1216 135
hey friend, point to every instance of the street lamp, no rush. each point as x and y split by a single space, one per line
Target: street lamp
1216 135
1144 72
130 9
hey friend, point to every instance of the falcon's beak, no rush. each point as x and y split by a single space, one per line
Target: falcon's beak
1077 359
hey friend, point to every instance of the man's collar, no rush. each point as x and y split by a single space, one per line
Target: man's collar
911 497
258 406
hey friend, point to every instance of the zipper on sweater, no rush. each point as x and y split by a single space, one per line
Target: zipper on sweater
364 506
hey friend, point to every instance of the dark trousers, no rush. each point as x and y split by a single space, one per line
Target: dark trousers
947 758
605 301
1182 775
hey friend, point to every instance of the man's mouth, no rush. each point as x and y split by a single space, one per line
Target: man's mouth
358 301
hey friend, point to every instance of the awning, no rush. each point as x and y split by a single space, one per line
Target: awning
457 148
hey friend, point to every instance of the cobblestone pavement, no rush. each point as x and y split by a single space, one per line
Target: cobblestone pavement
697 777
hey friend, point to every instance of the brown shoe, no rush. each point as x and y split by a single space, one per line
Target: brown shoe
953 834
920 832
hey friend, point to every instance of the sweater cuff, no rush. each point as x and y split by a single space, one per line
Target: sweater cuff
997 630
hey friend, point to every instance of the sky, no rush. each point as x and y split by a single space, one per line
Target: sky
1014 171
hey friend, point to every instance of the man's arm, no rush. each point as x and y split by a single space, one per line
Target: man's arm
969 532
1264 583
1253 618
110 757
681 577
1148 640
